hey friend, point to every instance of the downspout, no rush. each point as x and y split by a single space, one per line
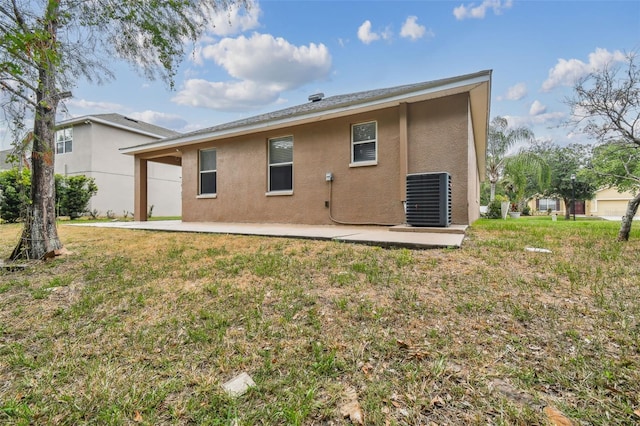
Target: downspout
404 151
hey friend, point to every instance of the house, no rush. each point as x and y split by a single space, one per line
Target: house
609 202
90 145
4 159
342 159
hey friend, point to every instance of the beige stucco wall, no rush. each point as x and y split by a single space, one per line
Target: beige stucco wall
609 202
439 142
438 139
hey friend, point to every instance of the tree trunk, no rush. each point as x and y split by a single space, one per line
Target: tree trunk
40 234
627 219
568 204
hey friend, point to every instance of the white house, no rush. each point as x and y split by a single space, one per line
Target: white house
90 146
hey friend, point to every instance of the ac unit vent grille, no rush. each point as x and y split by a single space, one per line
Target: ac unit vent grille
429 199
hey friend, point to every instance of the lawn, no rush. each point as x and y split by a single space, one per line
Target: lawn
137 327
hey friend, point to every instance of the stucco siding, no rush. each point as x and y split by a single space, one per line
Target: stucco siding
357 194
439 142
96 154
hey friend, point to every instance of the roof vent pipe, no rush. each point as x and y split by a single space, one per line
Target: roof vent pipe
316 97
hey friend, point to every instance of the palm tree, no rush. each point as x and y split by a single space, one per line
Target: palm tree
501 139
519 169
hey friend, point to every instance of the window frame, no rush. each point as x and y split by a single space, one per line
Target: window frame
201 172
65 142
271 165
354 143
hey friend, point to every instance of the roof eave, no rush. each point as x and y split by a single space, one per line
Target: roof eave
93 119
450 86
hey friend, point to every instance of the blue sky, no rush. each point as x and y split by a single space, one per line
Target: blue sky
279 52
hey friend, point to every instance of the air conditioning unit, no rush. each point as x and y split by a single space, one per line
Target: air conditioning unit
429 199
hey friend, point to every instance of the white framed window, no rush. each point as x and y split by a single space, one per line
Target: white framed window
364 144
64 140
208 169
281 164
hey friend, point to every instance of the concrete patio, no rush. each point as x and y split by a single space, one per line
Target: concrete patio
395 236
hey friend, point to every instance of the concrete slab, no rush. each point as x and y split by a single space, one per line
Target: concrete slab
373 235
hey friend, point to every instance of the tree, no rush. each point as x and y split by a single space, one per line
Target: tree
564 162
47 45
522 172
606 106
501 140
617 165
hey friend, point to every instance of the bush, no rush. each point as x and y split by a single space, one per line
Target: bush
494 211
16 188
73 194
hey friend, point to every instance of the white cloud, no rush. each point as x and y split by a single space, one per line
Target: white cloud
93 105
471 11
537 108
227 96
517 92
411 29
365 34
568 72
263 66
271 60
169 121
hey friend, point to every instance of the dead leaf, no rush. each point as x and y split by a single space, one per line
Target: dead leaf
352 408
637 412
138 417
354 412
367 368
402 344
437 401
556 418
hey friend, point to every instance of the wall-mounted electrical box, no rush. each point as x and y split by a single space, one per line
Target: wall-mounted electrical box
328 177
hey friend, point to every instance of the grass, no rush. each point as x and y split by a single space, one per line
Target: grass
138 327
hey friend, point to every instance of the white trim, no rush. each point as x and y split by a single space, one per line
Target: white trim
278 193
205 196
87 119
364 164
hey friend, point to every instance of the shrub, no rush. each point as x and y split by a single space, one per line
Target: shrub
14 198
494 211
73 194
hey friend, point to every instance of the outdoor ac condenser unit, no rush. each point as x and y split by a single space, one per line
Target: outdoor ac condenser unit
429 199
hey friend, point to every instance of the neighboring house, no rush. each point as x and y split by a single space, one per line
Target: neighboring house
90 146
340 159
606 202
4 156
609 202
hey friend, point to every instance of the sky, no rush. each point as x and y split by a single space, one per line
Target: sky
277 53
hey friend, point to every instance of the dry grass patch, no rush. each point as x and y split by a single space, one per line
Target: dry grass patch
143 327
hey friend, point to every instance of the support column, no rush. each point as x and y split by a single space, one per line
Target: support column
404 151
140 189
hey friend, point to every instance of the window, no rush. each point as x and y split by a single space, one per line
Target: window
545 204
64 140
208 171
363 143
281 164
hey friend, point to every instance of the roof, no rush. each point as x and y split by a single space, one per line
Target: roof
477 84
122 122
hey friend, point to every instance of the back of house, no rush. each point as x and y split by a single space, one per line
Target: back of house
346 159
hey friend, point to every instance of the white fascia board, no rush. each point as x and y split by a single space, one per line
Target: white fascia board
84 119
454 87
